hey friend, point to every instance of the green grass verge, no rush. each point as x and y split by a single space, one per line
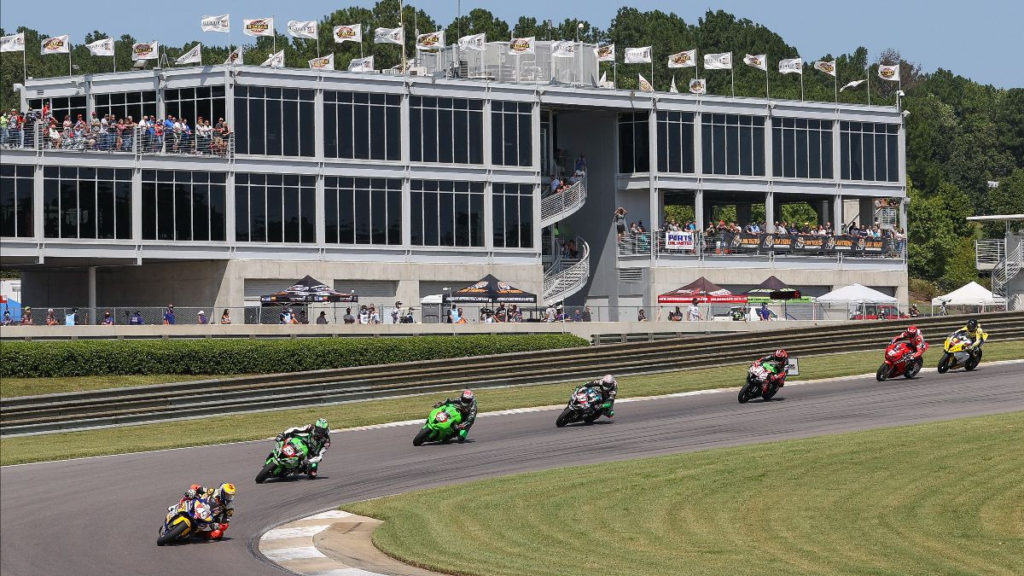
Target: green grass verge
940 498
254 426
14 387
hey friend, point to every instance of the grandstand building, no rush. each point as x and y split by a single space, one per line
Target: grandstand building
401 186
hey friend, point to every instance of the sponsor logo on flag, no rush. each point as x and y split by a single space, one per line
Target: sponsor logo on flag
563 49
473 42
891 73
759 61
302 28
275 60
258 27
193 56
348 33
430 40
145 51
698 86
645 86
389 36
791 66
13 43
103 47
323 62
605 53
722 61
235 57
361 64
56 45
684 59
220 23
826 66
521 45
637 55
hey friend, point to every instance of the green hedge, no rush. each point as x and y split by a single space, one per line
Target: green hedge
251 356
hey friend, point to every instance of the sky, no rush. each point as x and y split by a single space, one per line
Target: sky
980 40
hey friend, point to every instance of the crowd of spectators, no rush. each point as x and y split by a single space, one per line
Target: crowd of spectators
558 182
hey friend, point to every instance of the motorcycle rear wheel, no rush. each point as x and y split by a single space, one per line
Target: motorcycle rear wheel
972 362
944 363
264 473
914 369
590 419
563 418
883 373
172 534
421 436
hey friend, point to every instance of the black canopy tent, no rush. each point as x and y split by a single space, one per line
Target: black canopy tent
490 289
774 289
305 291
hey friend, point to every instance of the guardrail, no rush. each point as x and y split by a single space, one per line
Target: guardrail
74 411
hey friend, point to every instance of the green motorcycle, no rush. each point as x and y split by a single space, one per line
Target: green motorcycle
440 426
287 458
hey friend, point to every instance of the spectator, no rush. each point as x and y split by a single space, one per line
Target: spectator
581 163
225 317
577 316
641 315
694 311
675 315
136 319
364 314
69 319
322 318
108 318
586 314
396 313
550 314
169 314
501 314
348 318
620 221
201 318
26 316
374 315
515 314
285 316
51 317
7 321
461 317
303 319
764 313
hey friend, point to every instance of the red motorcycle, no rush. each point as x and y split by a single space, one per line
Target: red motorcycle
900 359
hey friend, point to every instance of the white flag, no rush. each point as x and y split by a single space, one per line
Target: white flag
220 23
853 84
603 79
322 62
361 64
103 47
645 86
521 45
473 42
759 61
791 66
258 27
637 55
672 88
145 51
348 33
430 40
722 61
684 59
605 53
13 43
275 60
563 49
303 28
56 45
389 36
193 56
889 72
698 86
236 57
826 67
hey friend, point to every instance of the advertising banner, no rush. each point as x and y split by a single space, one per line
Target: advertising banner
679 241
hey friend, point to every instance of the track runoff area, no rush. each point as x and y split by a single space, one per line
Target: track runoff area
938 496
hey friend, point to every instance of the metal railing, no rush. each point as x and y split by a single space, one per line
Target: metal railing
887 217
569 274
703 246
78 410
989 252
558 205
1006 269
138 141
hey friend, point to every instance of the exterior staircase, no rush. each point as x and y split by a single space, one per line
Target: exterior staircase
1006 269
561 205
567 276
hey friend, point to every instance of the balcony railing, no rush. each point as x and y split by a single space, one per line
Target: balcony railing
559 205
570 272
1006 269
697 245
136 141
988 253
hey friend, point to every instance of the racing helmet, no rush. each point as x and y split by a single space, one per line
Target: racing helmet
608 380
913 331
467 396
972 325
226 492
320 428
781 355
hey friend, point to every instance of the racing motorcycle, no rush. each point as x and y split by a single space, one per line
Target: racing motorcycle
287 458
757 376
585 405
899 359
441 426
957 354
188 517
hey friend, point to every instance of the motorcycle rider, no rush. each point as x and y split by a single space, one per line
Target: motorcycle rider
779 359
466 405
317 437
974 331
914 338
221 500
609 388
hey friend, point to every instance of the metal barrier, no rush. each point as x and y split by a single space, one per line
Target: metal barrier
59 412
739 245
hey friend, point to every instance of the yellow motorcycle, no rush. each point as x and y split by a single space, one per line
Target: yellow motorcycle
185 519
959 352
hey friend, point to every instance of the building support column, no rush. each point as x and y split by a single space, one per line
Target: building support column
866 211
837 214
769 211
698 210
822 212
92 290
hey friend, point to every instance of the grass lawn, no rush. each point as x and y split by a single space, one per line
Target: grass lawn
12 387
254 426
939 498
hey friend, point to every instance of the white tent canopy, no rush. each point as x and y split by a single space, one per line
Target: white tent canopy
971 294
857 293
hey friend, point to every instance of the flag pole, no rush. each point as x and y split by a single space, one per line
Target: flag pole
835 83
801 81
114 55
401 22
732 79
767 93
24 63
868 76
652 68
273 32
69 59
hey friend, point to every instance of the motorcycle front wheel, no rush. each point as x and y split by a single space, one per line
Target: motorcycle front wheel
172 534
421 436
883 373
944 363
747 392
563 418
264 473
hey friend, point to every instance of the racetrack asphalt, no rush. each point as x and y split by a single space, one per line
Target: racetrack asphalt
99 516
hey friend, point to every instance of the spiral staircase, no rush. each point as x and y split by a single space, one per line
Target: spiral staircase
567 274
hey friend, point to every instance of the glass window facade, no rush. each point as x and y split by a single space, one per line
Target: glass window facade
446 130
275 208
60 107
358 125
869 151
634 146
16 183
208 103
125 104
513 215
274 121
802 148
87 203
675 142
183 206
732 145
446 213
363 210
511 133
